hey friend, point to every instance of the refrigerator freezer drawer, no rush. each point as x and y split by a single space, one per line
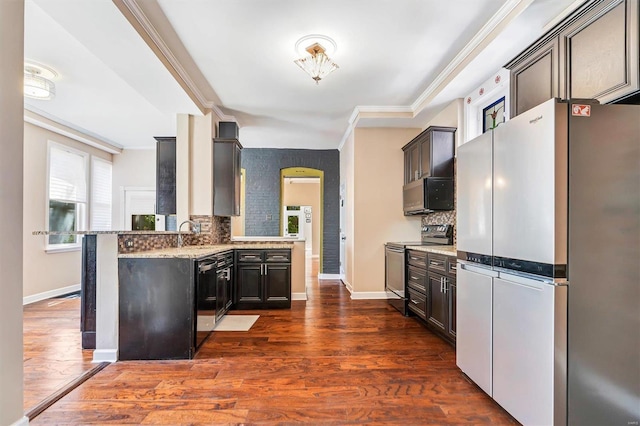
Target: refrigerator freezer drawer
529 350
474 293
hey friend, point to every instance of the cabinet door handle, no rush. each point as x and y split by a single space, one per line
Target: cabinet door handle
444 285
414 278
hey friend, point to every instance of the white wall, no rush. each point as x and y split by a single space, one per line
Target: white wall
131 168
45 272
11 195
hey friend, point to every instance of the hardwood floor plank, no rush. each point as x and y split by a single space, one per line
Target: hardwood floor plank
329 360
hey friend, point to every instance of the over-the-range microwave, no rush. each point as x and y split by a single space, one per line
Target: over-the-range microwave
428 195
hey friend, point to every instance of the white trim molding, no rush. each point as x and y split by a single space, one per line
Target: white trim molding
56 126
50 294
299 296
348 285
24 421
104 355
328 276
368 295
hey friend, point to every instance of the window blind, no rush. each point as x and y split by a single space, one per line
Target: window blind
101 195
67 176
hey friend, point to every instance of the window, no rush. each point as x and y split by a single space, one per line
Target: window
74 199
493 115
100 194
67 194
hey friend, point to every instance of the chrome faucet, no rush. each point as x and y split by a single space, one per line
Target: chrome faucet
196 230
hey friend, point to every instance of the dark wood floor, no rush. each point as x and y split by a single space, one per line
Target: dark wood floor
331 360
53 354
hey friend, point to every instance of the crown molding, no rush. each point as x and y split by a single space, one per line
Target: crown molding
510 10
221 115
132 10
506 13
57 126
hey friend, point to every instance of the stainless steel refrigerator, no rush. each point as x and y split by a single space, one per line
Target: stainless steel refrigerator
559 261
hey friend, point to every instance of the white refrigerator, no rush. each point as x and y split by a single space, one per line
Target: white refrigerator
548 231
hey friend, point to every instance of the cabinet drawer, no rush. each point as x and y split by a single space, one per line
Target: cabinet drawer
452 266
277 256
417 303
245 256
437 263
417 279
417 258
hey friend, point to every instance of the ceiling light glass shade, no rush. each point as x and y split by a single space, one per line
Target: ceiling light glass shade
38 87
318 65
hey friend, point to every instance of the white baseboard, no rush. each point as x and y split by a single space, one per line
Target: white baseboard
105 355
348 285
49 294
328 276
24 421
299 296
360 295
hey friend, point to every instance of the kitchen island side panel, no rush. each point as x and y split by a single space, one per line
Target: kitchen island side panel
156 308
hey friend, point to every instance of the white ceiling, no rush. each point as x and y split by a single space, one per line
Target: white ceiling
238 56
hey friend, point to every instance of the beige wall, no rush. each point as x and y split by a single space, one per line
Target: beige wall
11 209
131 168
372 170
377 192
43 271
306 194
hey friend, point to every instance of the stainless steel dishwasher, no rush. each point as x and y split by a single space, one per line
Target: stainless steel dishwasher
394 276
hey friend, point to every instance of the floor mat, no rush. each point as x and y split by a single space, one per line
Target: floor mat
236 322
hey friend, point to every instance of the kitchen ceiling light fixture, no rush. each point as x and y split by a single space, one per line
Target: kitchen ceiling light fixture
37 81
317 64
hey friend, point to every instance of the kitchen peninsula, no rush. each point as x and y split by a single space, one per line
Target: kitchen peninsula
110 250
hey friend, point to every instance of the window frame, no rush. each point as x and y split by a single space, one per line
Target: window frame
82 214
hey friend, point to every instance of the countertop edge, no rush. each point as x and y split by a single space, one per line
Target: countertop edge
197 252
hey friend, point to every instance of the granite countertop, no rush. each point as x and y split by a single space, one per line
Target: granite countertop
109 232
446 250
195 252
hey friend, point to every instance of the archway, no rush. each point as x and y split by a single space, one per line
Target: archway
305 172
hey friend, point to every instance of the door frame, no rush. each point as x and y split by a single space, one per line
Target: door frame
294 172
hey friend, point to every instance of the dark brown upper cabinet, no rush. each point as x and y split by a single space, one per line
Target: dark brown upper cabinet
226 170
165 175
593 53
535 77
430 154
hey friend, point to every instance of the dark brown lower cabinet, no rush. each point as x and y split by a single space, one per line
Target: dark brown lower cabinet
437 306
440 300
451 325
263 279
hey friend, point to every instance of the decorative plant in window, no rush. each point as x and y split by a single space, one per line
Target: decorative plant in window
493 115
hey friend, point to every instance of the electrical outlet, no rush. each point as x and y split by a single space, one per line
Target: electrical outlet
128 243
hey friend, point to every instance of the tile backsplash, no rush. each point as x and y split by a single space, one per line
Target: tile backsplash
214 230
